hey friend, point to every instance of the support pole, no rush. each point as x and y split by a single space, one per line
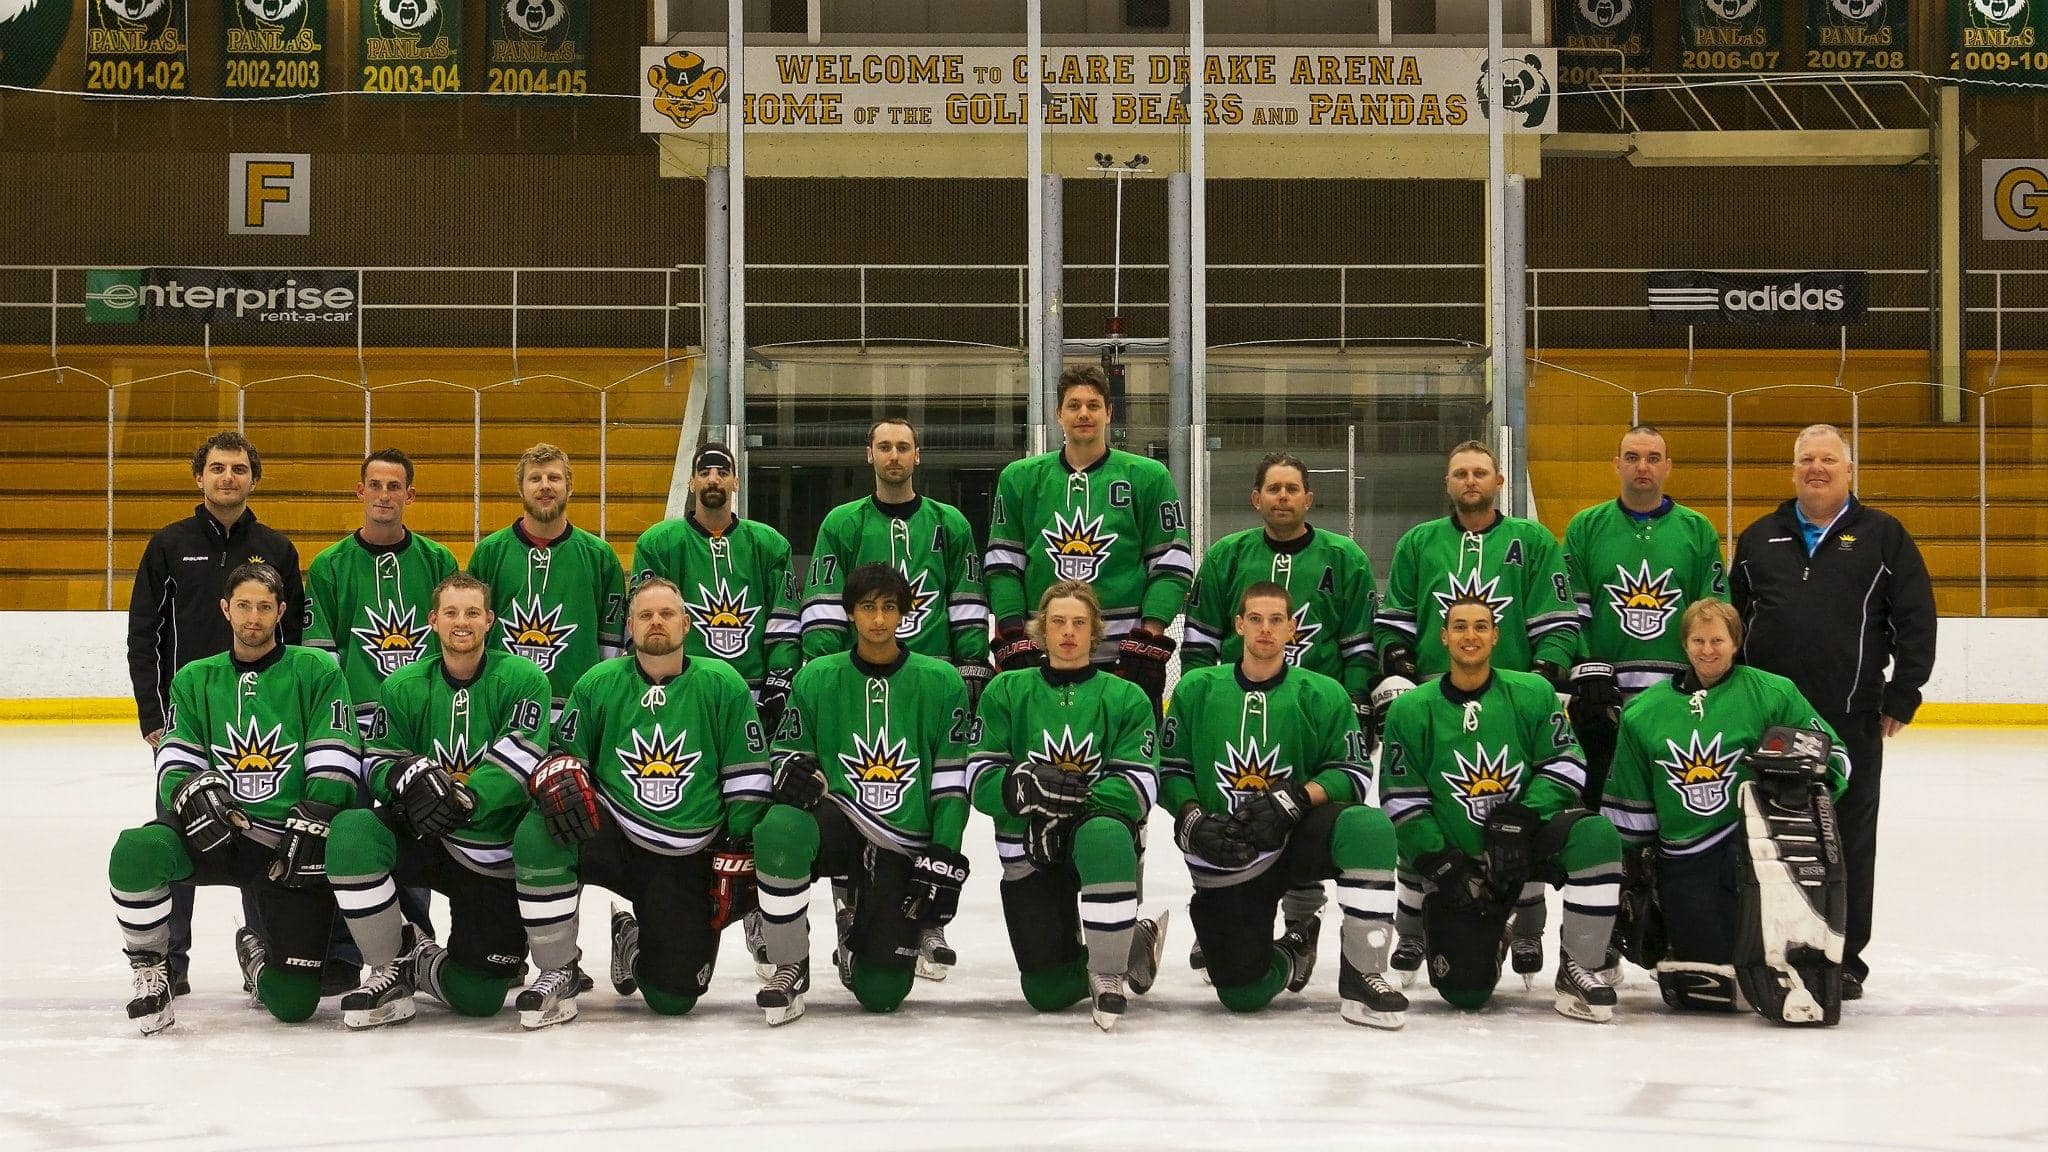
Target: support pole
1038 362
1052 250
1496 240
1514 351
1179 397
1949 167
1198 280
736 239
717 280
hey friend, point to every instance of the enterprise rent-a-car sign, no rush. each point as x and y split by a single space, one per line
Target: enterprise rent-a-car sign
219 296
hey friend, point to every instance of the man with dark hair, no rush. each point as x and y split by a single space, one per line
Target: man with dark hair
174 614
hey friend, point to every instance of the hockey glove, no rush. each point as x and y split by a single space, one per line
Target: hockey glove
430 801
1049 841
1384 693
1044 791
1596 695
935 879
206 809
1785 754
1399 661
773 699
563 796
1452 876
1016 649
733 893
975 674
1141 658
799 782
1639 921
1268 819
1510 838
1217 839
302 853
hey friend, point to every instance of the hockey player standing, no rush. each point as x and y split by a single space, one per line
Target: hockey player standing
1090 513
453 744
557 591
258 755
659 773
870 785
1672 795
1636 563
1482 783
1265 772
737 584
1067 766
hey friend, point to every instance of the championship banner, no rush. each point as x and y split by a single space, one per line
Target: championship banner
538 46
273 47
1597 38
31 32
411 45
1856 35
196 296
2000 40
1731 36
922 90
135 47
1820 299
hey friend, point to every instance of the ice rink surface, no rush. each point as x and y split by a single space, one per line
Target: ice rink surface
1947 1051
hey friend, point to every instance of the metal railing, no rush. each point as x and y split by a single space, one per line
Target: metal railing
1837 101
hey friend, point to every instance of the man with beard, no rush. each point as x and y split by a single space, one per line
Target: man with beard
557 590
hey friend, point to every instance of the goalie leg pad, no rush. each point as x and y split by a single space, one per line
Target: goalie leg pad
1462 942
1692 987
1792 904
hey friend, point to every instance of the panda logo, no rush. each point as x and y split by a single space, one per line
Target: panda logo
534 17
1609 13
273 11
408 15
1731 10
1999 11
1523 88
1858 9
134 11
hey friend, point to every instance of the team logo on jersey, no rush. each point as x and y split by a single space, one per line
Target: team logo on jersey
880 772
1469 586
1485 782
457 759
255 761
1077 547
1247 772
539 636
724 617
659 769
921 600
1066 754
1304 635
391 639
1701 773
1643 602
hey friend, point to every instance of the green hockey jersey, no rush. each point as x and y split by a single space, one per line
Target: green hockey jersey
561 604
1227 739
1330 581
1633 577
1679 757
1451 757
282 730
489 732
1086 722
931 544
368 605
892 742
1514 564
677 761
737 587
1116 524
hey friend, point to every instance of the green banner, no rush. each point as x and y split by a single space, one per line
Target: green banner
411 45
538 47
2000 40
1731 36
136 47
1856 35
1598 38
30 36
273 47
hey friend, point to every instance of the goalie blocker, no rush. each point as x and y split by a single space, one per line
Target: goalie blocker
1791 882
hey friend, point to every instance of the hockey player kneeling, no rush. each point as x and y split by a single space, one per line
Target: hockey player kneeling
451 746
1265 772
258 755
1067 766
1720 807
1482 783
870 786
658 777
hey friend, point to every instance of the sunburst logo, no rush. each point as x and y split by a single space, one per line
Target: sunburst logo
1469 587
658 768
1304 635
724 617
1248 772
1701 773
390 637
1075 757
457 759
881 773
1077 547
539 636
255 760
1644 602
1485 782
921 600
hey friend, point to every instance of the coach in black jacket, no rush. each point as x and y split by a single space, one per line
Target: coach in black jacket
1831 591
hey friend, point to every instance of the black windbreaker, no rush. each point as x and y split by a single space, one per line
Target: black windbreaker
1830 622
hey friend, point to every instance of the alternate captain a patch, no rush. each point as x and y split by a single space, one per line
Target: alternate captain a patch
1077 545
881 773
1485 782
1701 773
255 760
538 635
391 638
1643 603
